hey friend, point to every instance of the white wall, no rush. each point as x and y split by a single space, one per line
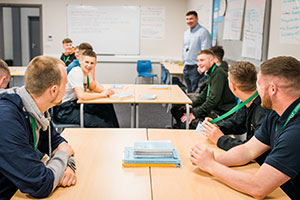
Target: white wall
8 42
54 19
275 47
25 13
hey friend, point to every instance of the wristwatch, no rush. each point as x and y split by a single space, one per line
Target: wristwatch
71 163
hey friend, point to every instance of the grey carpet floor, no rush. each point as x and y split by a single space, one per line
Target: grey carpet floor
150 115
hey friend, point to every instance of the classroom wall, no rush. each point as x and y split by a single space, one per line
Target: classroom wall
54 18
8 42
271 45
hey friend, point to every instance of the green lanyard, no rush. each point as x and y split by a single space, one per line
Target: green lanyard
33 126
66 60
292 114
208 87
88 82
234 109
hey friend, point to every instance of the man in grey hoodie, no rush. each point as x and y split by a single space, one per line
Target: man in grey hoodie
26 131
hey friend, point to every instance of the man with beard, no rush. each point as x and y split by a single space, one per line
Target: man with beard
26 132
279 87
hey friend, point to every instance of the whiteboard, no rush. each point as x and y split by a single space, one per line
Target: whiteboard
109 29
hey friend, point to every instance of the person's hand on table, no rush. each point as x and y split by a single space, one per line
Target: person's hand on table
212 131
202 157
69 178
66 148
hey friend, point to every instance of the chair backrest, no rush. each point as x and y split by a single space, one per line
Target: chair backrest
144 66
164 75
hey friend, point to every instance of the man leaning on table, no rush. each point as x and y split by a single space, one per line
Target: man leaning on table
81 85
195 39
26 132
242 78
4 75
279 88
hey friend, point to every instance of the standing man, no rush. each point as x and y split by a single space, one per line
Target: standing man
25 131
4 75
196 38
279 87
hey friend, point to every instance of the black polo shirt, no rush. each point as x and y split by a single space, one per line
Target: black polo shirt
285 147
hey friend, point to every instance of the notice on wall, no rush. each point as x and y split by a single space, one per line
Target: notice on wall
253 29
152 22
290 22
233 20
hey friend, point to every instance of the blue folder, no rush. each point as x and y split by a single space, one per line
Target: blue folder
131 161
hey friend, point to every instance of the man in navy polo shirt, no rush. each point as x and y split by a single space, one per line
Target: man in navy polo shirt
279 87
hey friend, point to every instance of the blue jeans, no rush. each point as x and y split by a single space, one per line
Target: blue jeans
191 77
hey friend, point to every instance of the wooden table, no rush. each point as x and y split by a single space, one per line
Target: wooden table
188 182
126 89
173 69
17 75
171 95
98 154
17 70
100 175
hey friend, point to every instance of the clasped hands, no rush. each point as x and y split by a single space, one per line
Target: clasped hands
69 177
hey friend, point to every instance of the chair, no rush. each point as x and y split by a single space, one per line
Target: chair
165 75
59 127
144 68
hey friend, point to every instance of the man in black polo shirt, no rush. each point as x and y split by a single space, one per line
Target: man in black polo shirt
279 87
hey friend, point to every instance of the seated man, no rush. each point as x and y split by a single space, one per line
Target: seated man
25 131
215 97
78 52
69 55
219 54
279 87
242 83
4 75
80 81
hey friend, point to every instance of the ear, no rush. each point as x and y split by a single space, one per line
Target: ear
53 90
2 81
273 89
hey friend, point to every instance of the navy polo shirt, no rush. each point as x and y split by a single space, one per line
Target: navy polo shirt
285 147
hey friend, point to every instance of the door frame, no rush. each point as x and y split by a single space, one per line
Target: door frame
40 6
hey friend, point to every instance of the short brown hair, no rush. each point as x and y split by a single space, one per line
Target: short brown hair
192 12
207 52
89 53
67 40
218 51
285 67
42 72
85 46
244 75
4 70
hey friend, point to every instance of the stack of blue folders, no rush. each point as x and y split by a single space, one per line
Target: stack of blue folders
151 154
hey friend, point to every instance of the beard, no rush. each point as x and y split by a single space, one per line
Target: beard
266 102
